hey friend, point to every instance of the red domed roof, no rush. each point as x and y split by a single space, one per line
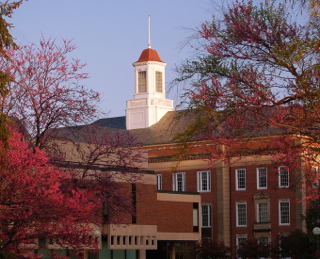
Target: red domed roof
149 55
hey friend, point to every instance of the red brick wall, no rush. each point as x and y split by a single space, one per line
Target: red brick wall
275 193
208 198
170 216
247 195
122 214
175 216
146 204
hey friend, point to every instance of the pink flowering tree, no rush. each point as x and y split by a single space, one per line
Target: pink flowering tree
37 204
46 91
48 101
106 161
257 77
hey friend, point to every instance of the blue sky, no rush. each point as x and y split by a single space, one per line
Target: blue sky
111 34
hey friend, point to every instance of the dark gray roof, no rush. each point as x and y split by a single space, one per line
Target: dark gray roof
160 133
115 123
174 122
164 131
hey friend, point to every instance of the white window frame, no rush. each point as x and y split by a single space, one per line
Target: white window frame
260 213
280 175
239 239
159 181
259 177
239 178
242 238
281 212
237 214
204 185
175 183
208 215
265 242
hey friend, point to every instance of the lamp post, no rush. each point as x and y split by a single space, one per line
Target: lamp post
316 232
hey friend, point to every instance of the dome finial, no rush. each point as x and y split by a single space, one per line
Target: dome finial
149 34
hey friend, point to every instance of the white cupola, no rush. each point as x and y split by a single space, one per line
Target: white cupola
149 104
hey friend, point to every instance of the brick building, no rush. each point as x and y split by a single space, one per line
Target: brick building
162 219
188 199
251 198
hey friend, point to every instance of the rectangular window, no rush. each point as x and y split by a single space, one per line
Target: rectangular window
158 81
206 216
142 81
263 213
195 217
262 178
315 176
263 240
241 214
240 179
159 181
179 182
241 240
284 212
283 172
204 181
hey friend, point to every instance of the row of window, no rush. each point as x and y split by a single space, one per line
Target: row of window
204 179
262 177
262 215
142 82
261 240
179 181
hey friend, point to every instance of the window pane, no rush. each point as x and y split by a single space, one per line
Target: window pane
283 176
206 216
159 182
178 182
195 217
241 179
242 214
263 240
284 212
159 81
142 82
263 212
262 177
241 240
204 181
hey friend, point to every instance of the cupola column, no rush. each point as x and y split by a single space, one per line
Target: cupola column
149 104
